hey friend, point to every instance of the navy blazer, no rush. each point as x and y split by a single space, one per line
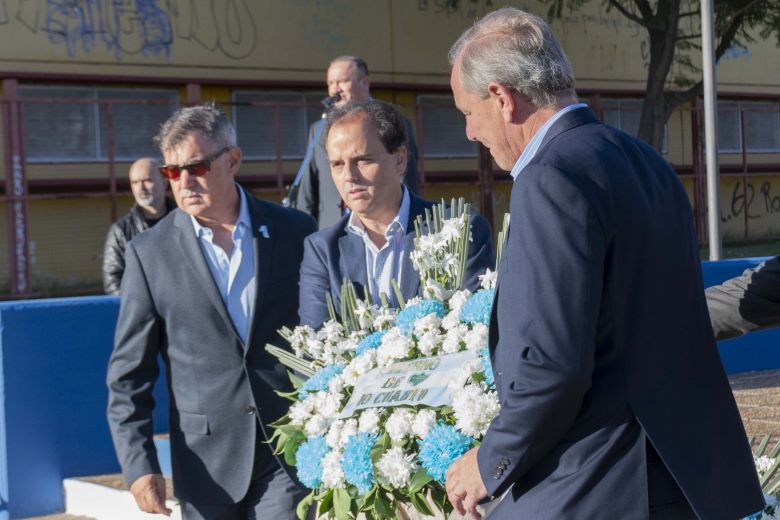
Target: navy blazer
221 390
332 254
601 342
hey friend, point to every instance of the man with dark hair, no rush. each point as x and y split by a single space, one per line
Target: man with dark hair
151 205
206 290
348 80
614 403
366 144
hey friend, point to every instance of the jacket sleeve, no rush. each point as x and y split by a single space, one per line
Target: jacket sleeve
749 302
480 253
132 372
548 300
308 199
411 177
314 285
113 260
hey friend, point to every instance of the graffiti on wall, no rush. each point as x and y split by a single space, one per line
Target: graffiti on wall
138 27
750 208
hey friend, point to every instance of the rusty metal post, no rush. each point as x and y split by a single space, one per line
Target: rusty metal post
16 191
743 144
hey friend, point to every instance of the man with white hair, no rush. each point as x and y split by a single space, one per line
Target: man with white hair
614 403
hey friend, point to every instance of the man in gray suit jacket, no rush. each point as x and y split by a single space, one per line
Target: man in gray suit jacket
205 290
371 245
749 302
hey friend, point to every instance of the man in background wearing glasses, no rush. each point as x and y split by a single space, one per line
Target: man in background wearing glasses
206 289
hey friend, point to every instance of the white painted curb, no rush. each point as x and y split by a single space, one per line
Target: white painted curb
105 503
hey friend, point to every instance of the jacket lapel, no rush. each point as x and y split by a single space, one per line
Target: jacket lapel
352 264
192 252
263 237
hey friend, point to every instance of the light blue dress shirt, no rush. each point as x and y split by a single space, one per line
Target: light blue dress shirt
385 264
536 141
233 275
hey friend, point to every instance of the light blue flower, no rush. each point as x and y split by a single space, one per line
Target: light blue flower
440 448
477 308
308 459
407 317
319 381
356 462
487 367
371 341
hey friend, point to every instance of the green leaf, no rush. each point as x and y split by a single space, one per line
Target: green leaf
325 502
290 449
341 503
420 503
419 480
303 506
296 381
293 432
281 443
376 453
367 501
382 507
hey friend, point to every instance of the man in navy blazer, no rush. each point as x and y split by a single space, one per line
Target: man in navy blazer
205 290
614 403
366 145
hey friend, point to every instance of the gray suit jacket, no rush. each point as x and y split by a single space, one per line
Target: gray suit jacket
332 254
221 391
318 195
749 302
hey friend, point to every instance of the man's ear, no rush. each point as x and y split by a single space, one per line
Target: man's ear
504 99
401 157
234 159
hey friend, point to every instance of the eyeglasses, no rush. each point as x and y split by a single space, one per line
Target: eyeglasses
196 168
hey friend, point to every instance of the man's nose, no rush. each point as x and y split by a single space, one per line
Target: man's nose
186 178
470 135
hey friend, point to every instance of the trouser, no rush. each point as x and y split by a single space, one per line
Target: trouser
667 501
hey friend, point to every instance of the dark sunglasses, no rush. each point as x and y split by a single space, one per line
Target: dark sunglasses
196 168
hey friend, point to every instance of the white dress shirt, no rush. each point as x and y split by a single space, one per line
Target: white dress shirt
233 275
384 264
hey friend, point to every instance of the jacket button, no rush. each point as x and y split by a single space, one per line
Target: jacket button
250 410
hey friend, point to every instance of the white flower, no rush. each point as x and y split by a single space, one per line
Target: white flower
332 472
336 384
489 279
433 290
317 425
314 347
399 424
365 314
427 323
394 346
331 331
384 318
763 463
454 339
464 373
349 429
299 339
328 404
451 320
457 300
451 265
477 338
429 342
474 410
369 420
423 422
333 437
300 413
395 467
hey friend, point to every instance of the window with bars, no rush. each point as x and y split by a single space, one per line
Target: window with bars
759 121
79 124
443 128
624 114
254 115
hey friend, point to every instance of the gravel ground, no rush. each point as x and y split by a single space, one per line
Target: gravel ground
757 395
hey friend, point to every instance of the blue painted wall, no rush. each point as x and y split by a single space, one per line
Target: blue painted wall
53 425
53 358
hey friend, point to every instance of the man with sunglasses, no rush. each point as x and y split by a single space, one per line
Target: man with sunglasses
206 289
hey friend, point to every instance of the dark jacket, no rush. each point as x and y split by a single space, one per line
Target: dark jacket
119 234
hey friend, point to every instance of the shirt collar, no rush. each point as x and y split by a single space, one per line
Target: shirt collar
242 222
536 141
355 225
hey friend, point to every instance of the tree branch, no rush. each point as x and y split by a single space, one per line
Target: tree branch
689 13
645 8
689 37
628 14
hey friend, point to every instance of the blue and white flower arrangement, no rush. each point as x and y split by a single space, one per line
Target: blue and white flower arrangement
381 459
